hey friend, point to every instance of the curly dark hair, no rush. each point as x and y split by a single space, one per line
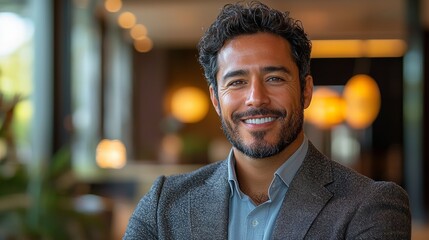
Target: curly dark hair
238 19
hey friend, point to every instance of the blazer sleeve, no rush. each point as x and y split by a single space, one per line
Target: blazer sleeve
143 221
385 215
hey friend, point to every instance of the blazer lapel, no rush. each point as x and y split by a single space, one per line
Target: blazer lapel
209 207
305 198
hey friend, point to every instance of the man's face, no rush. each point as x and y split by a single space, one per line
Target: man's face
259 96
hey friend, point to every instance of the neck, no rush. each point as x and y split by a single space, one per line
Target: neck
255 175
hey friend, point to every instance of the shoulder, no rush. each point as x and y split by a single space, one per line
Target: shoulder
381 211
350 189
351 181
169 198
340 178
351 184
176 186
203 175
370 209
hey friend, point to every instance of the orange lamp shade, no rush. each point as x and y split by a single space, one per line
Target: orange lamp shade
189 104
362 97
326 109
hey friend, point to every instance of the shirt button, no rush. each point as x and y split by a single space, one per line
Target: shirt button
255 223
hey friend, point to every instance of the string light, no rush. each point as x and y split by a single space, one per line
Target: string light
127 20
138 32
113 5
143 45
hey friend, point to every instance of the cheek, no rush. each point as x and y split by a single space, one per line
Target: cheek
288 96
294 91
228 104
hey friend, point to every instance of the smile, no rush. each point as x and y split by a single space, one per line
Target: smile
259 120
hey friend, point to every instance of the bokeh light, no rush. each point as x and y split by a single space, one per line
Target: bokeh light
189 104
14 32
113 5
127 20
143 45
111 154
138 32
362 97
327 108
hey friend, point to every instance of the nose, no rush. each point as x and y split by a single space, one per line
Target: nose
257 95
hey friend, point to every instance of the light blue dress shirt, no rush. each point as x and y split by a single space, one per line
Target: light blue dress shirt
248 221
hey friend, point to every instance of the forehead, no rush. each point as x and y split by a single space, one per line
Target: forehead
255 50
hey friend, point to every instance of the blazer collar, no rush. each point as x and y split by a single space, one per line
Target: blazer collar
210 206
307 187
209 214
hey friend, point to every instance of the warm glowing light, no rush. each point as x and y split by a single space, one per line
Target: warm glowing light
138 32
127 20
113 5
189 104
358 48
362 97
143 45
385 48
336 48
111 154
326 109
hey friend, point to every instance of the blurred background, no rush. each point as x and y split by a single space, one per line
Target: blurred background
99 97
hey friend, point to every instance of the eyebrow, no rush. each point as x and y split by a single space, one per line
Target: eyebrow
234 74
269 69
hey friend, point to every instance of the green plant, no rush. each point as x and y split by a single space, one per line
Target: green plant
41 205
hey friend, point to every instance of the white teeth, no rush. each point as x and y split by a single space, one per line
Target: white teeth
259 120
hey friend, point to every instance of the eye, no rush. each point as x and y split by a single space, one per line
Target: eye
236 83
275 79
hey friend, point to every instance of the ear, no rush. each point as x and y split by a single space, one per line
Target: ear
308 91
214 100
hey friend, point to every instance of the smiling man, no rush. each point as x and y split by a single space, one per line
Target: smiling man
274 184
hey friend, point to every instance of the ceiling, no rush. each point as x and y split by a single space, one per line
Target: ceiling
182 22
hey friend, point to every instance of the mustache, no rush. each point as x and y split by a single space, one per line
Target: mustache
258 111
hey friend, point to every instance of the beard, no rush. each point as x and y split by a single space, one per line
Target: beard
260 148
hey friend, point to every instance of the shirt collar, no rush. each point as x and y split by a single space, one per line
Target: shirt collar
285 172
232 177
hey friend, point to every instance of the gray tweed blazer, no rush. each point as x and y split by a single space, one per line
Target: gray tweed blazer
325 201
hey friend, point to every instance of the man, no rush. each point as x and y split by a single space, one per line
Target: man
274 183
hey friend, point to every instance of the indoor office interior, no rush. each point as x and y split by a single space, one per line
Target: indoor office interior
100 97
